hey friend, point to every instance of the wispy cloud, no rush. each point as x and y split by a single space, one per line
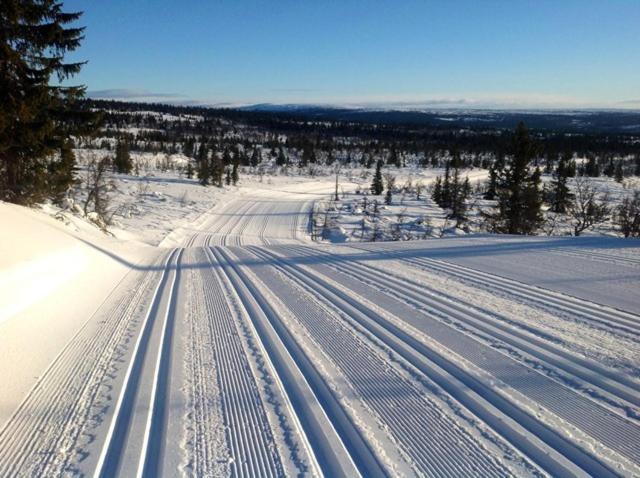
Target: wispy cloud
295 90
630 102
132 94
319 97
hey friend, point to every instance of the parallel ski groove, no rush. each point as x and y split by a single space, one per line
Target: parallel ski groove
74 385
320 422
485 358
109 460
247 425
436 444
611 381
599 314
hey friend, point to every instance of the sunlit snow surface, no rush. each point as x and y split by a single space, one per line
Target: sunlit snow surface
32 281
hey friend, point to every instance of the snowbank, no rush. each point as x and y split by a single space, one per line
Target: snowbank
51 282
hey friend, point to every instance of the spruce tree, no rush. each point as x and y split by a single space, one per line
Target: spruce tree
226 158
610 169
436 194
459 199
36 117
560 191
204 168
445 200
394 159
234 174
519 195
308 156
619 172
282 159
592 169
216 170
255 157
377 186
122 162
494 172
62 173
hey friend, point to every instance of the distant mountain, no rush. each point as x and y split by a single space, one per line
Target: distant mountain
573 121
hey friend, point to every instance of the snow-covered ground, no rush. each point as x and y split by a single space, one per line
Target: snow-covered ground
222 341
360 216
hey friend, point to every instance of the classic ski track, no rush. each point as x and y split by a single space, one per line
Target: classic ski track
494 372
599 314
596 255
332 437
203 430
224 225
73 390
113 448
603 430
250 438
489 323
435 444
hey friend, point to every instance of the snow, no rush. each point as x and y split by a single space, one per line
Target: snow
51 283
209 335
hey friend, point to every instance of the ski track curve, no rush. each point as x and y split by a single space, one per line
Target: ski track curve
615 432
434 444
269 357
491 323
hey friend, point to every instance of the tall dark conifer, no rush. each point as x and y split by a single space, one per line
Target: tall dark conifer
561 195
494 172
204 169
36 116
519 195
377 186
122 162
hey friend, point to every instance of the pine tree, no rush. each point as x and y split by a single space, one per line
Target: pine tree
436 194
533 199
391 184
519 195
619 172
234 174
37 118
122 162
188 147
227 178
394 159
494 172
204 168
560 191
377 185
461 194
62 173
330 158
226 158
592 169
610 169
216 170
308 156
255 157
282 159
445 200
451 193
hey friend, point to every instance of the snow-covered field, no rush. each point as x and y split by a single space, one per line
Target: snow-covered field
221 341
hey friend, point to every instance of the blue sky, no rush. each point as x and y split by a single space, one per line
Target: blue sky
481 53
